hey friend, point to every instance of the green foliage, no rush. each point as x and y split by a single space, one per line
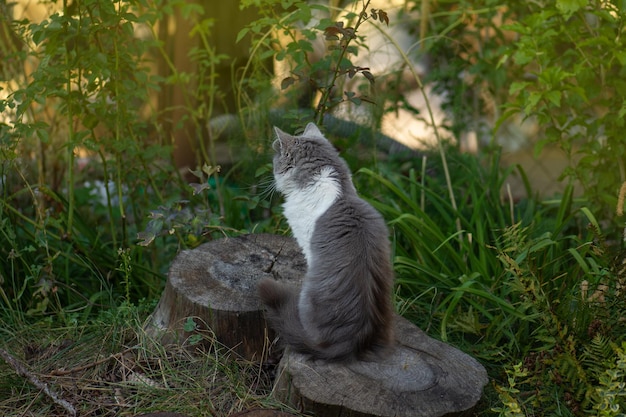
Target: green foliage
508 394
560 63
574 55
528 287
610 392
297 30
436 260
466 43
75 117
594 385
82 166
92 210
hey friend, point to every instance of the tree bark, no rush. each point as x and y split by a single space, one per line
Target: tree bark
215 284
421 377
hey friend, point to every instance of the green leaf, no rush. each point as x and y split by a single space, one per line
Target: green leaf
569 7
531 103
305 45
190 325
523 56
554 97
242 33
518 86
55 24
503 60
539 145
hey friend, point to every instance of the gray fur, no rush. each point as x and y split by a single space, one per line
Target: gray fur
344 309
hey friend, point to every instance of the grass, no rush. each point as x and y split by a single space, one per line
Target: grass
109 366
435 258
532 288
513 286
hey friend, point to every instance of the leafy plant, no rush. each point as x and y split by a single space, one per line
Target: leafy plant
74 116
572 55
559 64
326 74
528 287
532 288
610 392
465 42
508 394
434 260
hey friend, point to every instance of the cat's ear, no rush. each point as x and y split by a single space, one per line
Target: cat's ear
312 131
282 138
279 133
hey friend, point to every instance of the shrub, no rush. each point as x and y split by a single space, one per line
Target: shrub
82 166
560 63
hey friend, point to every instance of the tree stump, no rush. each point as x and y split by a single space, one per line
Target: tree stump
421 377
215 283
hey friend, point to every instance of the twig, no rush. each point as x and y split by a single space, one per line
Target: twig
21 370
321 106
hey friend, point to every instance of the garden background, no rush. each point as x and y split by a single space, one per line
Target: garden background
131 130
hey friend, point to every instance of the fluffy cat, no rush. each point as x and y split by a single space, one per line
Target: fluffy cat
344 309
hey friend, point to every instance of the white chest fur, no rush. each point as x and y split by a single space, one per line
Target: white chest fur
304 206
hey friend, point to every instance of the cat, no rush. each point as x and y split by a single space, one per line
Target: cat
344 309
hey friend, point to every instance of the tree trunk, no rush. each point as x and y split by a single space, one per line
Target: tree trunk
215 284
421 377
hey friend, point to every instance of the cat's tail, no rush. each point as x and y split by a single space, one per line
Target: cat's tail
282 313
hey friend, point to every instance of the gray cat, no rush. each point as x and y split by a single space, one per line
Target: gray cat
344 310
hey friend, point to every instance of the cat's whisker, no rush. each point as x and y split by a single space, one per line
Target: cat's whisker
267 187
264 188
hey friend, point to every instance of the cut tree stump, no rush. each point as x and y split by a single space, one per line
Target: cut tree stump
421 377
217 284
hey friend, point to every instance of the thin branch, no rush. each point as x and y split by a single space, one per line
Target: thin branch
22 371
322 105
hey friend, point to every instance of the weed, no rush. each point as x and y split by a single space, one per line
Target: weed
110 366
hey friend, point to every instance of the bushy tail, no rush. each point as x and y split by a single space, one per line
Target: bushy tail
283 316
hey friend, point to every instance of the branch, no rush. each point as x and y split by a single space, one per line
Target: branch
21 370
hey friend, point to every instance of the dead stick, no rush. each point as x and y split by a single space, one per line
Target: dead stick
21 370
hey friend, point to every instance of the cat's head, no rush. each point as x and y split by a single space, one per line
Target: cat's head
300 160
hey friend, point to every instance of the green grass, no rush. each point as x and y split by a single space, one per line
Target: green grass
533 288
527 282
109 366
